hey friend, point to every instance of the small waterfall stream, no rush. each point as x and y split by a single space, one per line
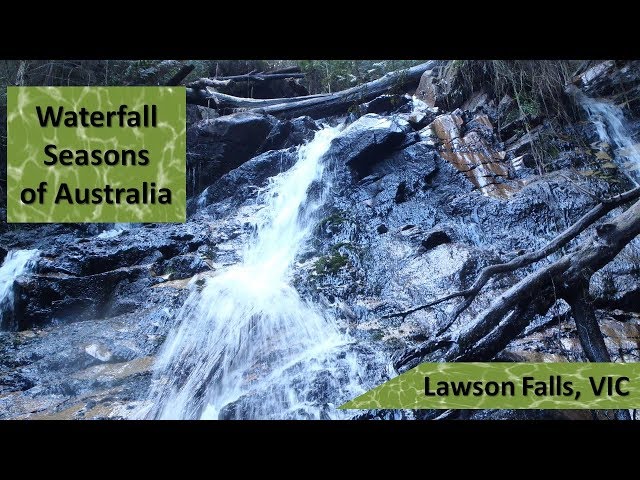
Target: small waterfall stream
611 127
247 345
15 264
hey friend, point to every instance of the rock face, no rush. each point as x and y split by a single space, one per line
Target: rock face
367 140
426 90
473 155
242 181
219 145
416 203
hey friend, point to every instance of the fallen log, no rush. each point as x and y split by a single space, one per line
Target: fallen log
228 103
261 77
180 75
315 106
292 69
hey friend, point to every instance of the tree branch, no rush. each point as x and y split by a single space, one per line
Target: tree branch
180 75
574 268
593 215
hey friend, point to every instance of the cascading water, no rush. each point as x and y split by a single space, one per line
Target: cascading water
247 345
15 264
610 124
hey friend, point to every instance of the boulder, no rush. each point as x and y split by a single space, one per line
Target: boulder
384 104
368 140
291 133
217 146
183 266
426 90
242 181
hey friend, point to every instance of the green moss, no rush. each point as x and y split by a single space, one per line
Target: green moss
377 335
335 219
528 104
330 264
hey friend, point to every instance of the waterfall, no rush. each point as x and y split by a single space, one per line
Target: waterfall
15 264
611 127
247 345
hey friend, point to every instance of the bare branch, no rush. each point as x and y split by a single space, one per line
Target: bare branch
593 215
572 270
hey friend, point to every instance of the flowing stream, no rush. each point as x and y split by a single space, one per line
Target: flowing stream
611 127
15 264
247 345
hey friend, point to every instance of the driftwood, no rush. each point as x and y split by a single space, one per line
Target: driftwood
292 69
510 312
315 106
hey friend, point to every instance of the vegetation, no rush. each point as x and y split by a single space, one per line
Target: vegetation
537 87
325 76
334 261
330 264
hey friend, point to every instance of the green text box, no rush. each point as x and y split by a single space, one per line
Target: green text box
136 194
516 386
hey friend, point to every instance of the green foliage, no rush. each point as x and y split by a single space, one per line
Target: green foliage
335 219
528 104
325 76
537 85
334 261
330 264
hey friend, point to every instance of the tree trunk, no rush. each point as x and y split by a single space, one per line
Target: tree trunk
180 75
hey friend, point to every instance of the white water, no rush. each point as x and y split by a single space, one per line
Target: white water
15 264
115 230
248 337
610 124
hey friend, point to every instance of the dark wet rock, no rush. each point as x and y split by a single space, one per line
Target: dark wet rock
219 145
382 229
434 238
242 182
79 279
40 298
402 193
3 254
193 114
98 255
290 133
617 285
368 140
182 266
384 104
196 113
